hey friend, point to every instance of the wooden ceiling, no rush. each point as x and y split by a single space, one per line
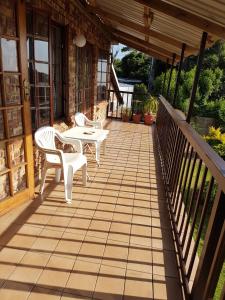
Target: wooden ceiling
159 28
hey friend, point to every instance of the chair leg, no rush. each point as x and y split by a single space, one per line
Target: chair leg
57 174
97 153
68 183
84 174
44 173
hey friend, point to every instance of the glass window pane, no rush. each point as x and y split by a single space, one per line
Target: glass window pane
44 116
12 89
7 18
16 150
9 55
4 186
43 96
104 78
15 122
104 66
2 131
3 158
41 50
42 74
19 179
0 91
41 25
30 52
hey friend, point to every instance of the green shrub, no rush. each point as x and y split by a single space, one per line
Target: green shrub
216 139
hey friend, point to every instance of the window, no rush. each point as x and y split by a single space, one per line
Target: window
83 78
43 110
102 79
58 70
38 68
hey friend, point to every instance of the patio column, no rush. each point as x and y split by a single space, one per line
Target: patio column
178 74
197 75
171 71
164 80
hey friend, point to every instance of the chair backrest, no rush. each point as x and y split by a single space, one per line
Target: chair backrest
80 119
45 137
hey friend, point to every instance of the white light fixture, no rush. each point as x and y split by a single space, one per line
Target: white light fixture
79 40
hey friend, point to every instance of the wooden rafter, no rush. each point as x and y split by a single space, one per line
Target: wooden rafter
142 49
185 16
140 42
139 28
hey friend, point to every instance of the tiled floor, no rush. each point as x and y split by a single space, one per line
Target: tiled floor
113 241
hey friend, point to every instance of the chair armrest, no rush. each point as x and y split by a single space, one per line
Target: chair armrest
57 152
96 124
74 142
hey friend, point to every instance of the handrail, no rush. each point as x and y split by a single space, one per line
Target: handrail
213 161
194 178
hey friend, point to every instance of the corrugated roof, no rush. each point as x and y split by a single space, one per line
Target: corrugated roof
159 27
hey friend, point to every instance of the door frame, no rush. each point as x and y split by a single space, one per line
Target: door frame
28 192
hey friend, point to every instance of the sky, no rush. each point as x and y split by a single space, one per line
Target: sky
119 47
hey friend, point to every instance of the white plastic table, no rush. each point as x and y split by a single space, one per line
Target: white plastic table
89 135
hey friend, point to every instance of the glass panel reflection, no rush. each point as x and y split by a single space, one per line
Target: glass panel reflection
44 116
4 186
2 131
41 25
3 158
19 179
42 74
43 96
16 150
12 89
41 50
9 55
15 122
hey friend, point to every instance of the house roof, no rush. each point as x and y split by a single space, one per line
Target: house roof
159 27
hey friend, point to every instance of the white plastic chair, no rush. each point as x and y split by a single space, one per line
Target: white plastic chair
69 163
81 120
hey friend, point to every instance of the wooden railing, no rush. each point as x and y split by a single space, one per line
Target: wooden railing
122 100
194 178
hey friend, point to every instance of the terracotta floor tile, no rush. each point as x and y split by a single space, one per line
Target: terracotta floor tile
138 286
83 279
44 294
110 283
92 249
56 273
15 290
118 223
115 255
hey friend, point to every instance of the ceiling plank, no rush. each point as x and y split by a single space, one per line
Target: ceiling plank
185 16
148 45
139 28
142 49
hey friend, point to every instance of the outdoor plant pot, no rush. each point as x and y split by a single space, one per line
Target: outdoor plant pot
125 118
137 118
148 119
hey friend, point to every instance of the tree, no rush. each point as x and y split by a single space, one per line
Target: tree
134 65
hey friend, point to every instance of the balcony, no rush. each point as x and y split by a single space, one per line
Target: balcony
113 242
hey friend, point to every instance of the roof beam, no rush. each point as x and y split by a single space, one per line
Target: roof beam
185 16
139 28
143 43
142 49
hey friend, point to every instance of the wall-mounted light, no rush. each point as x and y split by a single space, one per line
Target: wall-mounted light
79 40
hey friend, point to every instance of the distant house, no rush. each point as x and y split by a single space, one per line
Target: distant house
121 93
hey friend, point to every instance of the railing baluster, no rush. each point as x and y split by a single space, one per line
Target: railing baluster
200 227
186 162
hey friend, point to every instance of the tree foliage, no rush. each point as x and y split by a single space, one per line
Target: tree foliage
134 65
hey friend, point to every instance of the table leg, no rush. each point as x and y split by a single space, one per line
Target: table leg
97 152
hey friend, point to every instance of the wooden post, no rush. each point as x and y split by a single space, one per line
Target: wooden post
178 74
164 80
197 75
171 71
